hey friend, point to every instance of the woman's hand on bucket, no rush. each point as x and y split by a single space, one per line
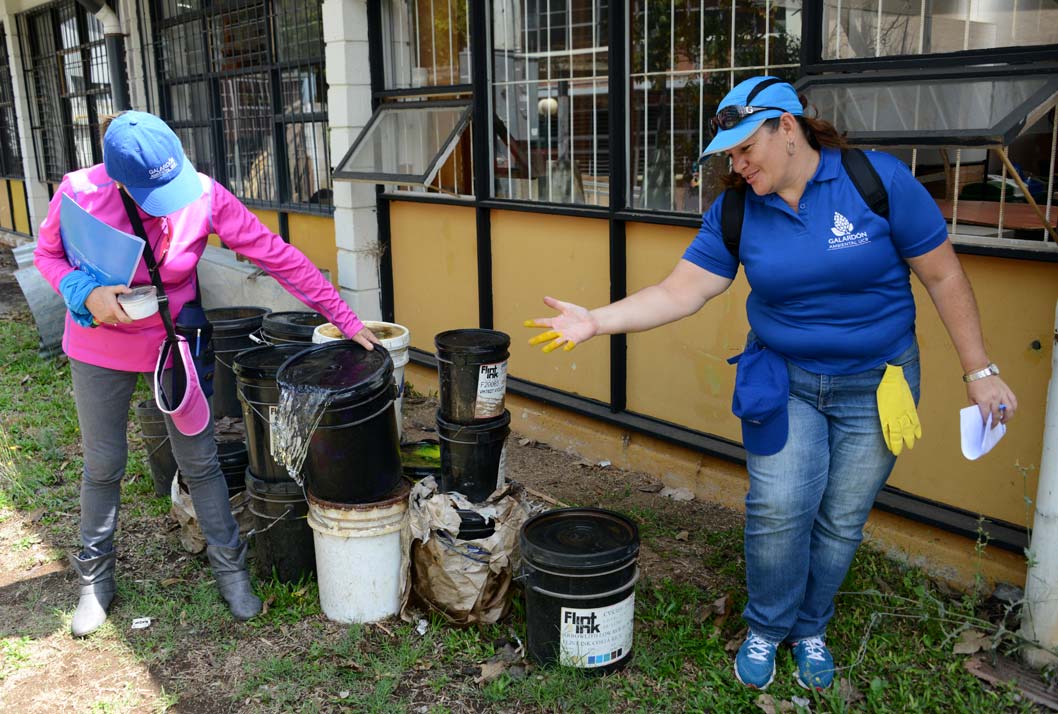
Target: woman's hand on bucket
366 338
573 325
103 304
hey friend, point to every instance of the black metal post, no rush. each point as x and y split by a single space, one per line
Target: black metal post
481 125
376 61
618 143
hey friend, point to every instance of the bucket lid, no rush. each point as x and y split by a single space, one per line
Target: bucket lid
299 322
226 318
263 362
579 539
343 369
472 341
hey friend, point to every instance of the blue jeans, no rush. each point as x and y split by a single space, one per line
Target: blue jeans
807 504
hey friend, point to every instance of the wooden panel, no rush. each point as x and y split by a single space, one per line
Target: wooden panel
314 236
568 258
18 207
679 372
7 218
435 269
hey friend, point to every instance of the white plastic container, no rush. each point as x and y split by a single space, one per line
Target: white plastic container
140 302
361 556
395 338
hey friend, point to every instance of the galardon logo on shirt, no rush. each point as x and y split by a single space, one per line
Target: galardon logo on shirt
843 234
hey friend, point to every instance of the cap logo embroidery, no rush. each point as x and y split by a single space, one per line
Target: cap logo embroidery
843 235
162 170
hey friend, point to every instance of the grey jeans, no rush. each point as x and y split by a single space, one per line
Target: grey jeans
103 397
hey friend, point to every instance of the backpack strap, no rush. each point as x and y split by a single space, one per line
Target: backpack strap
866 180
732 213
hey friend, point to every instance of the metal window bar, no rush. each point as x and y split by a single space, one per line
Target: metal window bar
10 147
243 85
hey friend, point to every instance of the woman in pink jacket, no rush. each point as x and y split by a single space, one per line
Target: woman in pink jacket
108 350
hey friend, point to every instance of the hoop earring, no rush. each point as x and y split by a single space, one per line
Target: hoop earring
790 148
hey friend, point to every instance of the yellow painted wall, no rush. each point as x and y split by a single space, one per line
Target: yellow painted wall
18 200
314 236
679 372
536 254
435 269
7 219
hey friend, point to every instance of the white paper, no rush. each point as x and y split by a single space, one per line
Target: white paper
978 438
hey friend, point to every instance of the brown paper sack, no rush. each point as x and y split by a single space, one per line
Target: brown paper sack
183 512
468 582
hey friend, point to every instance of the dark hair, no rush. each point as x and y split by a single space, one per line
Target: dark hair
818 132
104 123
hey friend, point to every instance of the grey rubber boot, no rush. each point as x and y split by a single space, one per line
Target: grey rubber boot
229 568
96 577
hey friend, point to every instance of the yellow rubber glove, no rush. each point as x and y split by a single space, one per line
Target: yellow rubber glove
896 409
551 336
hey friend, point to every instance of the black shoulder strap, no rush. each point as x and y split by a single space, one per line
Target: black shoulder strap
152 266
866 180
732 213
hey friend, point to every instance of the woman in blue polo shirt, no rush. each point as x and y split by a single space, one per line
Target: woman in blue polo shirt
828 384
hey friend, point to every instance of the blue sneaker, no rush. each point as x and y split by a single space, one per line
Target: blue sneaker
755 662
815 665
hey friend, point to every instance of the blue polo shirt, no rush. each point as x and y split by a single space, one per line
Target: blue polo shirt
830 286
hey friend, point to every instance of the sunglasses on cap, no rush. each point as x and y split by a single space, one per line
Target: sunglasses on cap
729 116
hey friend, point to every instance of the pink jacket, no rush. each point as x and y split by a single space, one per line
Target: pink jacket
178 241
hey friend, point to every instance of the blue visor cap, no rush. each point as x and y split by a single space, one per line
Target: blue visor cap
762 389
772 92
143 154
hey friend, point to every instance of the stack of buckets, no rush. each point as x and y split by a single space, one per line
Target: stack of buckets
472 424
356 496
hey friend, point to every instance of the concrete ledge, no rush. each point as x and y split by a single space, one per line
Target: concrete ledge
226 282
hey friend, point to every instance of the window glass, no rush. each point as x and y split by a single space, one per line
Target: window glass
10 149
427 43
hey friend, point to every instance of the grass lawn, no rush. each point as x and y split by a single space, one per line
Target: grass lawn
895 634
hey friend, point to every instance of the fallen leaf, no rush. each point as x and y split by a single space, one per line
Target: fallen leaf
24 380
767 703
526 442
35 515
848 692
651 488
677 494
802 703
490 671
733 645
266 603
683 535
171 581
971 641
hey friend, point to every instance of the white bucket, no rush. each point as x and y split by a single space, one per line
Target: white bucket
361 556
395 338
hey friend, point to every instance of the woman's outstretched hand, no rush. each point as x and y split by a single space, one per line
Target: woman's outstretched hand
366 339
573 325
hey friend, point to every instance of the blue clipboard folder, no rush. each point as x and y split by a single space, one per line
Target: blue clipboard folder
107 254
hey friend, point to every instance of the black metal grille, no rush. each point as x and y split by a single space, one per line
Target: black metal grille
10 149
242 83
68 82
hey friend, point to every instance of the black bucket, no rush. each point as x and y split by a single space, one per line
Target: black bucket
232 327
474 526
472 456
156 442
280 328
472 373
255 371
282 539
232 458
580 572
354 453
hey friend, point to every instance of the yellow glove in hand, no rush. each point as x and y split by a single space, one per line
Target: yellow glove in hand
896 409
551 336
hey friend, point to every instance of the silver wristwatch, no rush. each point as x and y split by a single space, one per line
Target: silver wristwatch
981 373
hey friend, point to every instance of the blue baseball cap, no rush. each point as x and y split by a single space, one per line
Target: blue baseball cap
762 390
772 92
142 153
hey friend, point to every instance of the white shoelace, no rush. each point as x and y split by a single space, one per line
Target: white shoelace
815 648
759 649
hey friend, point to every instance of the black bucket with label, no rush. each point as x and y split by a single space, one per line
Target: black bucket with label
232 458
255 371
579 569
354 453
472 456
156 442
282 540
280 328
472 374
232 327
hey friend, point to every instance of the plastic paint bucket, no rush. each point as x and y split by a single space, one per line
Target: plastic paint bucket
395 338
472 374
280 328
282 540
232 327
140 302
232 458
361 554
472 456
580 572
354 453
156 442
255 371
